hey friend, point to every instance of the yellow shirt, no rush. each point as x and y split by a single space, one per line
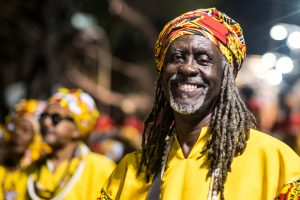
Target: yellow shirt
13 184
89 173
259 173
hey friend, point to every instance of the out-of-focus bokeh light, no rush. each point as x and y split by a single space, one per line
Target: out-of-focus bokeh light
284 65
293 40
83 20
269 60
278 32
274 77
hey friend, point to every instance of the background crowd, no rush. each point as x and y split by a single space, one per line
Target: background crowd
106 48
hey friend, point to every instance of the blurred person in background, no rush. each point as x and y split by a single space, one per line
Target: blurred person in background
3 138
103 139
200 141
251 101
22 146
287 126
116 135
71 171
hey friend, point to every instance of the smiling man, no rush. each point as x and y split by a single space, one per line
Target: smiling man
200 140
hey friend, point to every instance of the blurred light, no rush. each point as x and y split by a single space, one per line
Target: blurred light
293 40
82 20
128 106
268 60
274 77
14 92
284 65
255 66
278 32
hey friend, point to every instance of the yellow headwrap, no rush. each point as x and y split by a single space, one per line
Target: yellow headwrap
80 105
30 110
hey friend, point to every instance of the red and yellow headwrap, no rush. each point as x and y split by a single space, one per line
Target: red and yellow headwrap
223 31
80 105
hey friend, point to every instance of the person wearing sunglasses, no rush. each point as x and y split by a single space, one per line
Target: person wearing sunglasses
71 171
22 146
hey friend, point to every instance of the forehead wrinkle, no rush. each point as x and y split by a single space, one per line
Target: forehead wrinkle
194 40
178 45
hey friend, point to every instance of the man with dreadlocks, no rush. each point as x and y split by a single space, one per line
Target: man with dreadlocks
200 140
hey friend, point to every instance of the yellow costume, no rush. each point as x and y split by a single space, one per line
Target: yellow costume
13 181
13 184
259 173
78 179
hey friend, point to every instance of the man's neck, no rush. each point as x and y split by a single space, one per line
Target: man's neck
62 154
188 129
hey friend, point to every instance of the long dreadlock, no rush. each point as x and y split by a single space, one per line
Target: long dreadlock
230 127
158 125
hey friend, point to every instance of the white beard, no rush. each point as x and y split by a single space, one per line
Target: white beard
187 108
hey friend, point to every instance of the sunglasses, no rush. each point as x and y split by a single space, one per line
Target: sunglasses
55 118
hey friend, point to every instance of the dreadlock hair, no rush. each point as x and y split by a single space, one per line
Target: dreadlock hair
230 126
158 125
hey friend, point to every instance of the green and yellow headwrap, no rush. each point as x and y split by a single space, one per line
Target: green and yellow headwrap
80 105
223 31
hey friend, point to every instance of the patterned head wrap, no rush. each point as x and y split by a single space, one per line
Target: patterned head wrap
80 106
223 31
29 109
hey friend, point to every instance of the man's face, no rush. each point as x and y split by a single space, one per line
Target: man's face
22 135
57 127
192 74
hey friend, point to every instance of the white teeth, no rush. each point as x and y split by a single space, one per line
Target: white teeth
186 86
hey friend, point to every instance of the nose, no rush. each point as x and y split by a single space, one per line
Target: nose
17 133
188 68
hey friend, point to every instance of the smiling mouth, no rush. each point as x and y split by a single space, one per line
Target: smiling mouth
188 87
185 87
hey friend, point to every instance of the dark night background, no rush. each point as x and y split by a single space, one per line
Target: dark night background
40 48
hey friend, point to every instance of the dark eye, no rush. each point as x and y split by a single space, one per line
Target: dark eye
25 129
177 58
203 59
56 118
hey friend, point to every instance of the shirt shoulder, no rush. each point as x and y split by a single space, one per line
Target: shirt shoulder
99 166
268 143
274 155
128 166
99 159
125 182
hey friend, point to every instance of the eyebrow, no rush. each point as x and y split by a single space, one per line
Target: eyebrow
177 49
